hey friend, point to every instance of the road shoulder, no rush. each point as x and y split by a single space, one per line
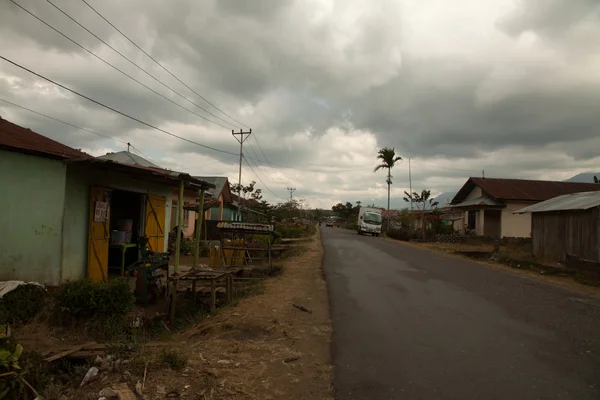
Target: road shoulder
567 283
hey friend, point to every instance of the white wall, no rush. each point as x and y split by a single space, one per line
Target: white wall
515 225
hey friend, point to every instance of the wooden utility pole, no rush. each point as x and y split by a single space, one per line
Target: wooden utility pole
200 212
241 139
177 251
410 184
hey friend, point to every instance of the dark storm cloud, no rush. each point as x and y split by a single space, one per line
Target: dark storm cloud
523 85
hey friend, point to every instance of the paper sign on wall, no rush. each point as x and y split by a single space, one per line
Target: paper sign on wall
100 211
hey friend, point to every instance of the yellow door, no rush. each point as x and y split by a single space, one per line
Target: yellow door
155 222
99 234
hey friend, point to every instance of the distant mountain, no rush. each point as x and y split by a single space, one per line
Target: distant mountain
445 198
584 177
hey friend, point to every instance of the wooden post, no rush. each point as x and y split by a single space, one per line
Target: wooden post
199 219
270 260
213 296
177 250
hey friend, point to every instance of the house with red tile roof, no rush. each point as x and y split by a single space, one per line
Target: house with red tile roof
488 204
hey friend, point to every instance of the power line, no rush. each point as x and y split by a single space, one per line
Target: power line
263 153
113 109
160 65
261 181
63 122
112 66
260 164
79 127
136 65
204 165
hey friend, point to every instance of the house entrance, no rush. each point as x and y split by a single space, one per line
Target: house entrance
127 226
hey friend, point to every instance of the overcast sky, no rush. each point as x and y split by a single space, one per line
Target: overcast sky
511 87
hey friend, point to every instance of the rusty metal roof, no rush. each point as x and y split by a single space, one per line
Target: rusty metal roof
24 140
522 189
389 214
567 202
245 226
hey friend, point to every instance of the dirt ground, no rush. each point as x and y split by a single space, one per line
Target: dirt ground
261 348
515 251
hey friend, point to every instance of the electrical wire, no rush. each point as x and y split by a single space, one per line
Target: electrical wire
112 66
136 65
259 165
204 165
63 122
263 153
160 65
113 109
261 181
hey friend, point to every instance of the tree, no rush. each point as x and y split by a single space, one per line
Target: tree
388 160
318 214
596 179
345 211
422 201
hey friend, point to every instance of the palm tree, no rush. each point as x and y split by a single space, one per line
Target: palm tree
388 160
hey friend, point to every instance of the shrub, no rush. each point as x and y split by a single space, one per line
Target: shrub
403 234
290 232
85 299
22 304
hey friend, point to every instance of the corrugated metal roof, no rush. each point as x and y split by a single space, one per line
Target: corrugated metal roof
522 189
218 181
126 157
479 201
25 140
567 202
245 226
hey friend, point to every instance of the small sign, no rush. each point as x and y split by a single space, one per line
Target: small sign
100 211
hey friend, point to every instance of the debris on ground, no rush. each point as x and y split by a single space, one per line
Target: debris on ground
89 376
123 392
302 308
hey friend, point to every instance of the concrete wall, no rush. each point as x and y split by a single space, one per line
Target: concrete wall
516 225
475 193
189 196
31 212
75 226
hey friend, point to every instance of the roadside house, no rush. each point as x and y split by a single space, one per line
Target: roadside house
59 218
226 208
190 196
568 224
488 204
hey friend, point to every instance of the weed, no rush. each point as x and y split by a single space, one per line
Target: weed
21 305
173 360
84 298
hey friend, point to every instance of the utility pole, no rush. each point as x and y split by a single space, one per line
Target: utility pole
410 184
291 190
241 139
483 173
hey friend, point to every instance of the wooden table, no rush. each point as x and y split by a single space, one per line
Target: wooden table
212 276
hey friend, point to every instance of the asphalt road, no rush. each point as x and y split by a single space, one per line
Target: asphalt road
411 324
